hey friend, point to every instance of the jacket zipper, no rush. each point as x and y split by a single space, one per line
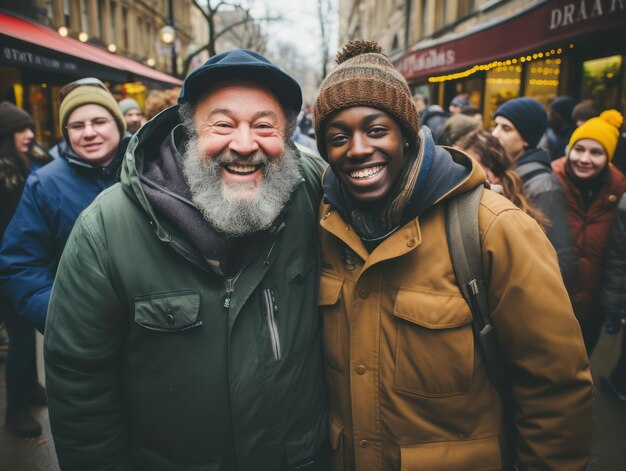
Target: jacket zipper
230 289
270 316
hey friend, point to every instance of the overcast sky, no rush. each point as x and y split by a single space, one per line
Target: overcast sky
300 27
301 24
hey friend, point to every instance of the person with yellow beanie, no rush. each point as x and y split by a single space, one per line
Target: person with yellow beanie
593 187
54 196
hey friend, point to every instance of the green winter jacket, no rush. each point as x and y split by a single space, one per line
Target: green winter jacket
155 362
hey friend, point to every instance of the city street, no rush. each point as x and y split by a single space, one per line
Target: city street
164 165
609 453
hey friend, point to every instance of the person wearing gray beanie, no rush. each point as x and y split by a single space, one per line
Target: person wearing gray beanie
133 116
520 123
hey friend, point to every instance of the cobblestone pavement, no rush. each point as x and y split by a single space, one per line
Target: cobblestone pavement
609 450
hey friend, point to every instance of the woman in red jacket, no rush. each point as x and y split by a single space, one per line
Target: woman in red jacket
593 187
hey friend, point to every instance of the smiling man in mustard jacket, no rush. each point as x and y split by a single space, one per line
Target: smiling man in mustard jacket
407 382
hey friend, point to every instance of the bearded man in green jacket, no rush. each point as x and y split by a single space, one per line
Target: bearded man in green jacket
182 331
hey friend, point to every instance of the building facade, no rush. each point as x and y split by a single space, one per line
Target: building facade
45 44
495 50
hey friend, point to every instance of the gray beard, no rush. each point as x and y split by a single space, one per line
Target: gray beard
221 205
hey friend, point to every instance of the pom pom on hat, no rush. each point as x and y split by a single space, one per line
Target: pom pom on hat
364 76
603 129
356 48
613 117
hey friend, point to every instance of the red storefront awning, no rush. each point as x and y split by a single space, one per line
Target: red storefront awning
48 38
548 23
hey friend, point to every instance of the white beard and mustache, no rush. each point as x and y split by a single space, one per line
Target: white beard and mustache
238 209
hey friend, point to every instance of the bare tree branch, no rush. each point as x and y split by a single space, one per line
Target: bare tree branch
321 6
244 31
242 22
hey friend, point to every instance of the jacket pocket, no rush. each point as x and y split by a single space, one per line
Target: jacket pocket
330 309
434 344
168 312
336 429
481 454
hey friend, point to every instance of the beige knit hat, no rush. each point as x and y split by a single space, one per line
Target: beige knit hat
88 95
364 76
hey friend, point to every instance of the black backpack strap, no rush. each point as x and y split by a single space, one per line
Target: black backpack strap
466 254
530 170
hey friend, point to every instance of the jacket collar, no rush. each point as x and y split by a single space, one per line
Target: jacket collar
408 236
77 162
439 175
534 155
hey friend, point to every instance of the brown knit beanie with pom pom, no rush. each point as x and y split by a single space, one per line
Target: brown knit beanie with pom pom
364 76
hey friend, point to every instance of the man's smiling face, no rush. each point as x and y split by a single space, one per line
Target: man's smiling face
244 124
365 150
237 165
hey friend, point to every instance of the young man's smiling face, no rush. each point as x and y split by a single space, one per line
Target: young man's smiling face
365 149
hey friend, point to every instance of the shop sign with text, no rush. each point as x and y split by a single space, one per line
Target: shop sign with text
553 23
427 60
16 56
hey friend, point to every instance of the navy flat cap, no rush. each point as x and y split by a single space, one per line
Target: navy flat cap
242 64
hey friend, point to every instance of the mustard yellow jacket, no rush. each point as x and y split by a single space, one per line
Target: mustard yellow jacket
407 386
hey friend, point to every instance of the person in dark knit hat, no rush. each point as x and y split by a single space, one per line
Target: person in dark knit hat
17 161
184 318
520 123
55 195
560 125
402 368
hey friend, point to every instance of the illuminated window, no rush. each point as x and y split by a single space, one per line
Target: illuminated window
502 84
601 81
542 80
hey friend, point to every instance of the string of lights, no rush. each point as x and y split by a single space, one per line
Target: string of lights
501 63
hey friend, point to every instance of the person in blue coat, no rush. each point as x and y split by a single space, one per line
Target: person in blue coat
53 197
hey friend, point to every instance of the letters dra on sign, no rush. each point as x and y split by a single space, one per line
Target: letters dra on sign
575 12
